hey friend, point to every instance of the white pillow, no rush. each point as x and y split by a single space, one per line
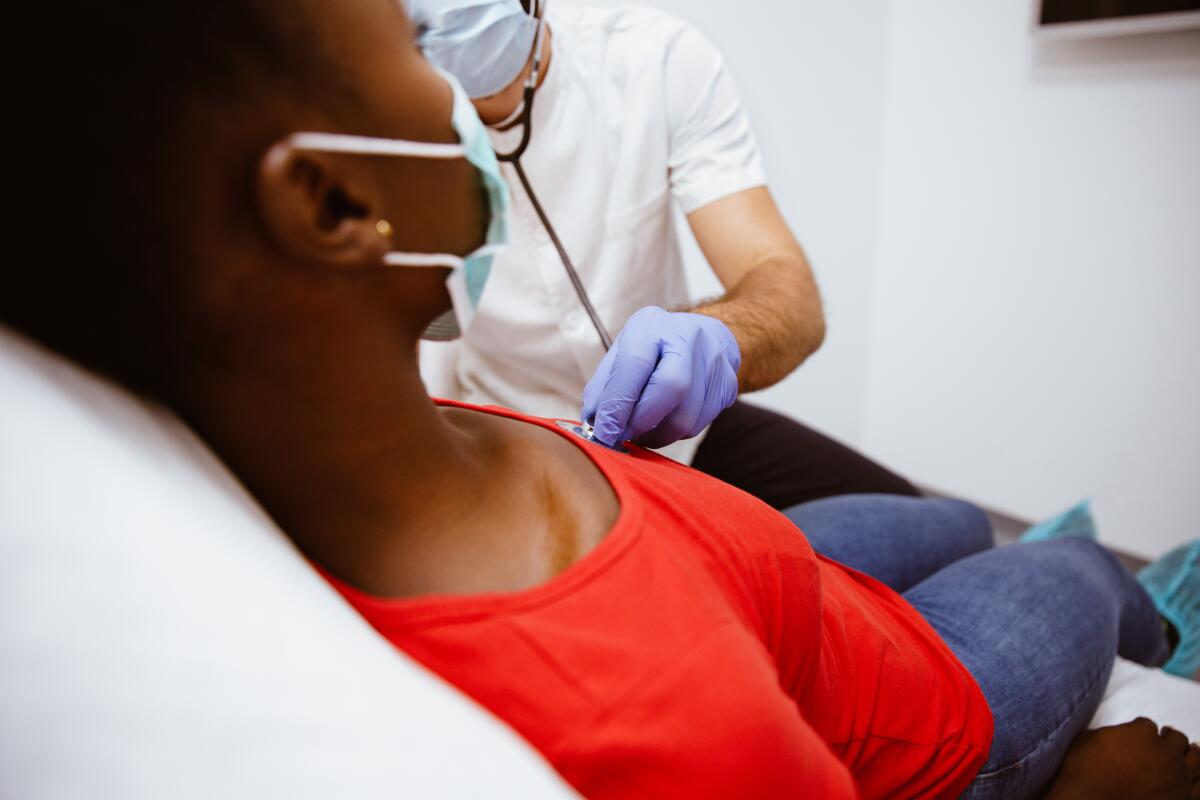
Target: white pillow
159 637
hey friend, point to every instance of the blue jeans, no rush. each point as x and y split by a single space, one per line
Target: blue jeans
1037 625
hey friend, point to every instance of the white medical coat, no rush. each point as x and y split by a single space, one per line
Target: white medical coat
637 112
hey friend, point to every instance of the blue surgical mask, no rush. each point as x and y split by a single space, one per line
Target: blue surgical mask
484 43
470 272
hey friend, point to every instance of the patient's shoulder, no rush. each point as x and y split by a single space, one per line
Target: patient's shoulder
545 505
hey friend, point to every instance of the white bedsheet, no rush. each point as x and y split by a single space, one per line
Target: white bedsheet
1136 691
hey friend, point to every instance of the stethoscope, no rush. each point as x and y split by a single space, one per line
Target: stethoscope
524 118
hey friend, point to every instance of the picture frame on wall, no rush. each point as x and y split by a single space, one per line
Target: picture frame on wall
1072 19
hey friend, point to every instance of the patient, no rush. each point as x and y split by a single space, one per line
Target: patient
652 631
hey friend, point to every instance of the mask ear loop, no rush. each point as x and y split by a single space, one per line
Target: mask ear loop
449 260
349 144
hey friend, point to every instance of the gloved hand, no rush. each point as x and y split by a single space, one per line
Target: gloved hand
667 376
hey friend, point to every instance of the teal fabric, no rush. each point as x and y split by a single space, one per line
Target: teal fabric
474 137
1173 582
1076 522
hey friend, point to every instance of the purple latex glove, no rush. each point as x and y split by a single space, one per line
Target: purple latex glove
667 376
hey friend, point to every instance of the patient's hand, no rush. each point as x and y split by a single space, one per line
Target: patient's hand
1134 761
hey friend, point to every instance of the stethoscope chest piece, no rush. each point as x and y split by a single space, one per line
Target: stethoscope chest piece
584 431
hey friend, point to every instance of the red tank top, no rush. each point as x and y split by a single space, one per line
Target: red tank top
704 650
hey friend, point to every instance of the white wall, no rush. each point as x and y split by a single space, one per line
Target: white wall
1007 236
1036 337
811 77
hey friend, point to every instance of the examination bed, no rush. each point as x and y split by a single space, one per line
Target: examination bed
159 637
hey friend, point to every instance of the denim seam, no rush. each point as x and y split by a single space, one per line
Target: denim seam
1046 739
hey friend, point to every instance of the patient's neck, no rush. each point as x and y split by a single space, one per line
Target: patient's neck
334 434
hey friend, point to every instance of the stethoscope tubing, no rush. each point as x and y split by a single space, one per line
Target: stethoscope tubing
525 120
576 282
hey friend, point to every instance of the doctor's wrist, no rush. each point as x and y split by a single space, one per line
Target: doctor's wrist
726 332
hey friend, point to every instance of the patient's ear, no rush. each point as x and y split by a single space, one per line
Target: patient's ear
319 209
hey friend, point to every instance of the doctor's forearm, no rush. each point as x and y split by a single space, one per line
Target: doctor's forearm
775 314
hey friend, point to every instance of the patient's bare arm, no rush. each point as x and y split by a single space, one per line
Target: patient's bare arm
1134 761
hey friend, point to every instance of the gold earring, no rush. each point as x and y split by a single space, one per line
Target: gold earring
384 228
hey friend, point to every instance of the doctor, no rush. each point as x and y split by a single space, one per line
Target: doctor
606 119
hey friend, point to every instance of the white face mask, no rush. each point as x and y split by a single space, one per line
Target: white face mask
470 272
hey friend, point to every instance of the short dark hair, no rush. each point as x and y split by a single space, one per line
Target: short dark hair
111 119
